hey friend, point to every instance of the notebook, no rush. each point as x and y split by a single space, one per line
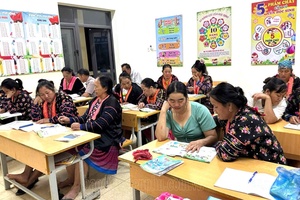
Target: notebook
175 148
254 183
292 126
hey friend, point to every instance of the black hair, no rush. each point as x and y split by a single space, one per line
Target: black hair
45 83
148 82
126 65
12 84
227 93
200 67
177 87
83 72
124 75
274 84
68 69
166 66
107 83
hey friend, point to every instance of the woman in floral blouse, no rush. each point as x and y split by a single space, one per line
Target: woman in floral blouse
167 78
201 83
15 99
246 134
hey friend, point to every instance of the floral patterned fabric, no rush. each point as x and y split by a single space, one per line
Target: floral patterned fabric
292 108
204 88
22 103
248 135
160 81
64 107
161 97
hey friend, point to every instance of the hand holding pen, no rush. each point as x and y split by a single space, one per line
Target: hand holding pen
295 119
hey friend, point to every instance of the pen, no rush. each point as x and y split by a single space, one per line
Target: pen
252 177
47 127
25 126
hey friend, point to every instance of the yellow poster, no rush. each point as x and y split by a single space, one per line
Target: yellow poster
273 32
214 36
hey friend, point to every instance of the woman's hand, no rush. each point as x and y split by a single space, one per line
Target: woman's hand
165 107
258 96
2 110
75 126
294 120
194 146
141 105
38 100
64 120
43 121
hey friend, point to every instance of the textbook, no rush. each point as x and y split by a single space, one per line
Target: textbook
26 126
253 183
292 126
147 110
47 131
175 148
7 115
129 106
161 165
69 137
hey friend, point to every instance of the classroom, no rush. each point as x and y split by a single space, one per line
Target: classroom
133 39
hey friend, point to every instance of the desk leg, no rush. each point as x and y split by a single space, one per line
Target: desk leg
52 178
139 133
136 194
4 170
81 174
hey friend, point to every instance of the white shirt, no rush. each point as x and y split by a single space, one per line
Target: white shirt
136 77
90 86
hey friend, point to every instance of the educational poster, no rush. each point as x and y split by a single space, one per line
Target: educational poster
169 41
273 32
29 43
214 36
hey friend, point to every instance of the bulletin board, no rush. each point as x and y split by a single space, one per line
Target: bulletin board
29 43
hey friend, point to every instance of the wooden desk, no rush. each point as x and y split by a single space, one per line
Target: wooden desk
288 138
139 126
197 97
82 99
38 153
192 179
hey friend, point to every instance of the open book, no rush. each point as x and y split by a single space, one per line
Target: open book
47 131
160 165
253 183
7 115
292 126
129 106
175 148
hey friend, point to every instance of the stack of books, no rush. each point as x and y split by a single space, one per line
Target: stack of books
161 165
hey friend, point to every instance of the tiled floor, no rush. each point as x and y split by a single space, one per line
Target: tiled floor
118 187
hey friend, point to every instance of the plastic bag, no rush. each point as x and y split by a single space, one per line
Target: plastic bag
169 196
287 184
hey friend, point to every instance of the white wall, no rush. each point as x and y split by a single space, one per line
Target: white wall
134 32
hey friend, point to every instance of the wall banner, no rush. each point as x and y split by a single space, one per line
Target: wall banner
273 32
29 43
214 36
169 41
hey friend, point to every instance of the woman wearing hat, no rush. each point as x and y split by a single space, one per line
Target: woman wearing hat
285 73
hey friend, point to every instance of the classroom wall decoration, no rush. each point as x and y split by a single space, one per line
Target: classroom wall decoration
273 32
214 36
169 41
29 43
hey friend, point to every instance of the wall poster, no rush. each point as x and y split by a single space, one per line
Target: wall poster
169 41
273 32
29 43
214 36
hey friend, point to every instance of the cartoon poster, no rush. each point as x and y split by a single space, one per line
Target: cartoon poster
29 43
169 41
214 36
273 32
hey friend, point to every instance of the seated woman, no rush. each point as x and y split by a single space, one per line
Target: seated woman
47 107
153 96
270 101
16 99
128 91
70 84
189 121
291 113
245 134
167 78
201 83
104 117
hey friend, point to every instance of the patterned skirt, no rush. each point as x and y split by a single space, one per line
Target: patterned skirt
104 162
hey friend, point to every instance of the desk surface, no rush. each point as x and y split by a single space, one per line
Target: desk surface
82 99
30 149
196 97
199 176
288 138
141 114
